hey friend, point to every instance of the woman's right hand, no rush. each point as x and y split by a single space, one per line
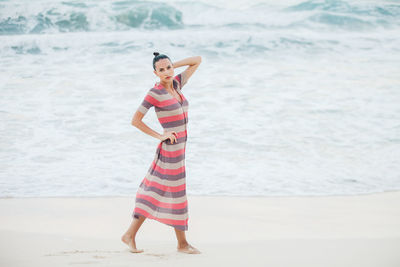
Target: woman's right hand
172 136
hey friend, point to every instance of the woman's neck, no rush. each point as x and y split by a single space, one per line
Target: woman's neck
167 85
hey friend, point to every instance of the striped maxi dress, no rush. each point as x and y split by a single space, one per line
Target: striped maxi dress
162 193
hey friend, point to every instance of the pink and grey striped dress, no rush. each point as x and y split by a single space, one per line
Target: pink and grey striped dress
162 193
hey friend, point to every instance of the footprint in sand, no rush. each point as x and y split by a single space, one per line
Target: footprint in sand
161 256
64 253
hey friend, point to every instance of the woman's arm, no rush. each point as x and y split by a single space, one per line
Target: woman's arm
138 123
193 62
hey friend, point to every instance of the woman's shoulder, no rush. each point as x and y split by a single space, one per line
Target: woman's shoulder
155 92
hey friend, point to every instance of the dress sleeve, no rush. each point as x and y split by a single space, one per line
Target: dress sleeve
181 79
148 102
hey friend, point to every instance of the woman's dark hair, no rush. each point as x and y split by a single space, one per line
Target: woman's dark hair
157 57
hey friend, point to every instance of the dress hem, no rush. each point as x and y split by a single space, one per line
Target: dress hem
137 214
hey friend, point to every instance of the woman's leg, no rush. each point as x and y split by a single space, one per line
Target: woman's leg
183 245
129 236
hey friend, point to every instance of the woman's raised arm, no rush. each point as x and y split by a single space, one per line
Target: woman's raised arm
193 62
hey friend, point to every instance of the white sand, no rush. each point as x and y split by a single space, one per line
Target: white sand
356 231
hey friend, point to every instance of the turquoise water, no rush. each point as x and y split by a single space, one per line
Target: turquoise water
291 98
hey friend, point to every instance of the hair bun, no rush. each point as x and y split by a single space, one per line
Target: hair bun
156 54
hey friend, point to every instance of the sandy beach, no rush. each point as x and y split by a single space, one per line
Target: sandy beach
362 230
292 97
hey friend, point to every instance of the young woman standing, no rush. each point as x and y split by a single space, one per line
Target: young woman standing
162 193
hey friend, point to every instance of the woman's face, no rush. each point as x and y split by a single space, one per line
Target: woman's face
164 70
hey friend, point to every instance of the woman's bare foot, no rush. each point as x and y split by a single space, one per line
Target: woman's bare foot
188 249
127 239
132 247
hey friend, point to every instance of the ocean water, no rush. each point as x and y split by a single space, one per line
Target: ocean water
291 98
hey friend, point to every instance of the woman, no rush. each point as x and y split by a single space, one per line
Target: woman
162 193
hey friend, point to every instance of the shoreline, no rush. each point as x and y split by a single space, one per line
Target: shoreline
199 195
